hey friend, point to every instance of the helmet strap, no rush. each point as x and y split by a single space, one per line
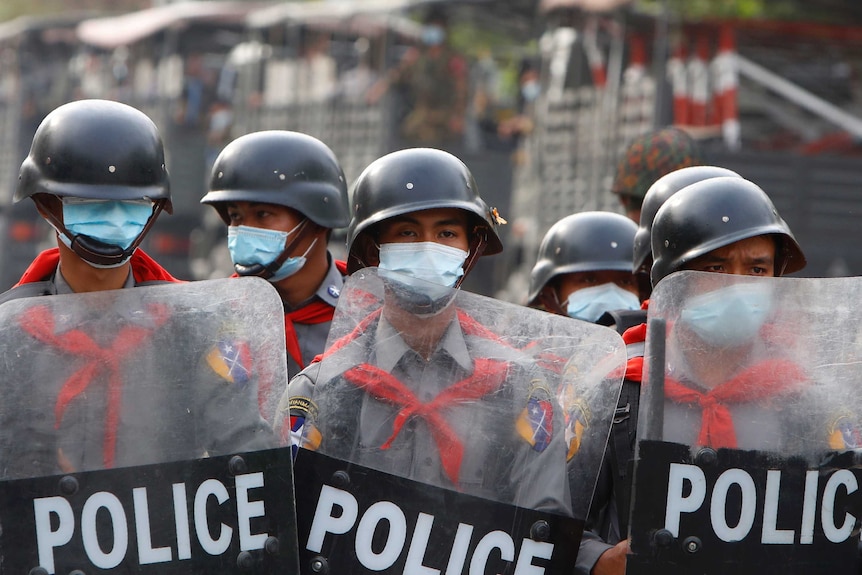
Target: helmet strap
478 243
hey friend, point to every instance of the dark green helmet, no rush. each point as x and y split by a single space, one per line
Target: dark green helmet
409 181
659 192
284 168
588 241
96 149
714 213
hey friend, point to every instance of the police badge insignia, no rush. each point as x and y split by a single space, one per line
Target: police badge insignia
844 433
231 360
536 422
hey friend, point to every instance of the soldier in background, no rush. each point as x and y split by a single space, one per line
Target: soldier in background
434 80
647 158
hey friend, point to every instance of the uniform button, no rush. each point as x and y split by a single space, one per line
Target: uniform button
427 462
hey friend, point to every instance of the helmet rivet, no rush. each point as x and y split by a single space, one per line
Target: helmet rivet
48 160
614 244
281 176
557 251
325 200
112 169
725 219
221 175
409 185
666 243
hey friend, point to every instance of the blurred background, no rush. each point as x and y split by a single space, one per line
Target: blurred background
546 95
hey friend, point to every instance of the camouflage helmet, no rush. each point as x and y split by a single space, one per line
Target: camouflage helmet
651 156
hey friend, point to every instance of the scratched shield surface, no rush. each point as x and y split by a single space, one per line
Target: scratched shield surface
135 434
453 401
749 426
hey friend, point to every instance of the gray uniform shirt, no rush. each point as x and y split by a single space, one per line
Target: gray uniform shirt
497 464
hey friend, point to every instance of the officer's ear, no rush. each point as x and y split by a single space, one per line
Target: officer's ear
49 207
366 251
549 299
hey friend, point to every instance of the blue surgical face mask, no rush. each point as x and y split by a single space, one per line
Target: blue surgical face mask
531 90
113 222
427 269
249 245
433 35
728 316
590 303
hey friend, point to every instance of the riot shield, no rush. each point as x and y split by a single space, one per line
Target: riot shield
131 434
748 437
450 432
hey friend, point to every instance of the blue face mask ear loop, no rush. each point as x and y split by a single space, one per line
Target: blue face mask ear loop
304 228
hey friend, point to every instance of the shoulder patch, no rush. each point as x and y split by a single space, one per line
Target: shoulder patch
844 433
536 422
300 431
231 360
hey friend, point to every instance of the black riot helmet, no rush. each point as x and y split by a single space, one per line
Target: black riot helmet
97 150
714 213
284 168
409 181
588 241
658 193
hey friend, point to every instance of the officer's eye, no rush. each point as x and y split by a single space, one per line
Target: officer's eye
448 234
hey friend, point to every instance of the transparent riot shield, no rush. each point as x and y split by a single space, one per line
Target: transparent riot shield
132 438
448 432
748 437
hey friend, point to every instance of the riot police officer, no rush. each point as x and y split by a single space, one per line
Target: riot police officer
584 268
723 224
647 158
418 217
282 193
96 172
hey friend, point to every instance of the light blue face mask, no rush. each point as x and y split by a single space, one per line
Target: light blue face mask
249 246
427 269
531 90
728 316
590 303
113 222
433 35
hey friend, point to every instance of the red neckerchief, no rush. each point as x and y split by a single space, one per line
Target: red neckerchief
144 268
316 312
39 323
488 375
762 381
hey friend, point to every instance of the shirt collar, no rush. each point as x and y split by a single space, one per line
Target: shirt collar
329 289
390 347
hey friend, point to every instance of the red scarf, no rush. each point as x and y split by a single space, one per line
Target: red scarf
488 375
316 312
762 381
39 323
144 268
